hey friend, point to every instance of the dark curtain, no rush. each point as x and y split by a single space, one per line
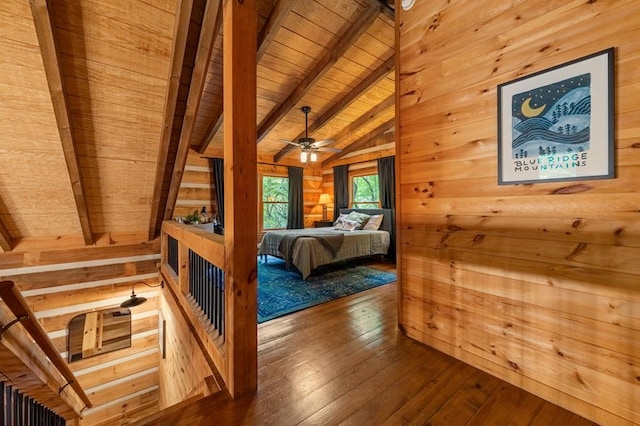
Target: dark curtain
217 164
295 219
387 182
340 189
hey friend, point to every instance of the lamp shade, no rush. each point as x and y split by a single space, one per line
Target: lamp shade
137 300
324 199
133 301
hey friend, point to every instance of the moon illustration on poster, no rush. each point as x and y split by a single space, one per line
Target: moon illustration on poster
528 111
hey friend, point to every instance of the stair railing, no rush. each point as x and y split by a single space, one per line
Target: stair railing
11 296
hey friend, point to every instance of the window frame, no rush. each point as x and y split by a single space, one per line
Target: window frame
352 176
261 177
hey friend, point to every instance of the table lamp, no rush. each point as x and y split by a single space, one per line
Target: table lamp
324 200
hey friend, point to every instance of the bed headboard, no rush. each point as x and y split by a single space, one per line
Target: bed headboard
387 219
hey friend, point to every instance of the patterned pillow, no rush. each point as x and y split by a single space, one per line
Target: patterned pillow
361 218
374 222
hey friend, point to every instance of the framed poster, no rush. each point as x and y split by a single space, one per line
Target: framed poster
558 124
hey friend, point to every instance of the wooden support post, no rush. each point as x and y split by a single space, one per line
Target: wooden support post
240 194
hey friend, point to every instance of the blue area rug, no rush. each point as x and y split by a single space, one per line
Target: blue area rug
282 292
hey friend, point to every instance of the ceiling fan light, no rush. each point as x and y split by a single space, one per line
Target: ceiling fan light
313 157
303 156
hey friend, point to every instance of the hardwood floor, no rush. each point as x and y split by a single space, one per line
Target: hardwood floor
345 362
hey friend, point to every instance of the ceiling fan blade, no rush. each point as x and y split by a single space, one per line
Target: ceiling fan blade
327 149
290 142
323 142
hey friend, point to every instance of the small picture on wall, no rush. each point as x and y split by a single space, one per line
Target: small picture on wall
558 124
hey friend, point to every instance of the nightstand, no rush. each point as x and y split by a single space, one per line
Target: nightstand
322 223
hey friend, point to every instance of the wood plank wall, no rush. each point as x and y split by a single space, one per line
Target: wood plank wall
60 284
196 189
183 369
536 284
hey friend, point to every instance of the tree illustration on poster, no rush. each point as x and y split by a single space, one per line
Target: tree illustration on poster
557 124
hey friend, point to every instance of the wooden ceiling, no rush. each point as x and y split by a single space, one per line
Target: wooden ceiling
100 103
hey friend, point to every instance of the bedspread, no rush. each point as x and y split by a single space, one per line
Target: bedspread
308 253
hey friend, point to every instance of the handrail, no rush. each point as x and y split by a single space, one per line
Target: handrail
211 248
18 305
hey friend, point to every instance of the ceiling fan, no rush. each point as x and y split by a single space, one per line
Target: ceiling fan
309 146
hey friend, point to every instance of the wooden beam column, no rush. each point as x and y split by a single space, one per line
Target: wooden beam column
55 79
6 242
240 194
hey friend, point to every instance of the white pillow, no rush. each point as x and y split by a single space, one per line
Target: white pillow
350 225
339 223
374 222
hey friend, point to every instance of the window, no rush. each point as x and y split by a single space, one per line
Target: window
365 192
274 202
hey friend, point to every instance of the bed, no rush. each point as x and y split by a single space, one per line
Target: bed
310 248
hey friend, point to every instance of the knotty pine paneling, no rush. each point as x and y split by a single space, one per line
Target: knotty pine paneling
195 191
115 59
537 283
183 370
60 284
30 147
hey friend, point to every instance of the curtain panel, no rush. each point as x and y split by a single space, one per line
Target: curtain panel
217 164
295 218
387 182
340 189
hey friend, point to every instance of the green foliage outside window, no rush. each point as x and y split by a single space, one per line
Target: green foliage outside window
275 202
366 192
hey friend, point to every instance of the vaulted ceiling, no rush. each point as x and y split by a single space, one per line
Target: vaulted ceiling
101 102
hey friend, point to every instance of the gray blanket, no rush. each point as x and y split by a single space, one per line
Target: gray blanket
330 242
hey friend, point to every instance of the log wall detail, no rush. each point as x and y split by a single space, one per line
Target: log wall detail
60 284
532 283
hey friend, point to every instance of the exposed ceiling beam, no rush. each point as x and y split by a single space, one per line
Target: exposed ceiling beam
334 52
55 80
366 84
365 118
388 8
218 119
6 242
270 28
211 24
360 143
265 38
180 32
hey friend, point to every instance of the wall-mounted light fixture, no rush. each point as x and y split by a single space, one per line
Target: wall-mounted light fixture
136 300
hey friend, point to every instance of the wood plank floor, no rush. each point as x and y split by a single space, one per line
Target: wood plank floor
345 362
